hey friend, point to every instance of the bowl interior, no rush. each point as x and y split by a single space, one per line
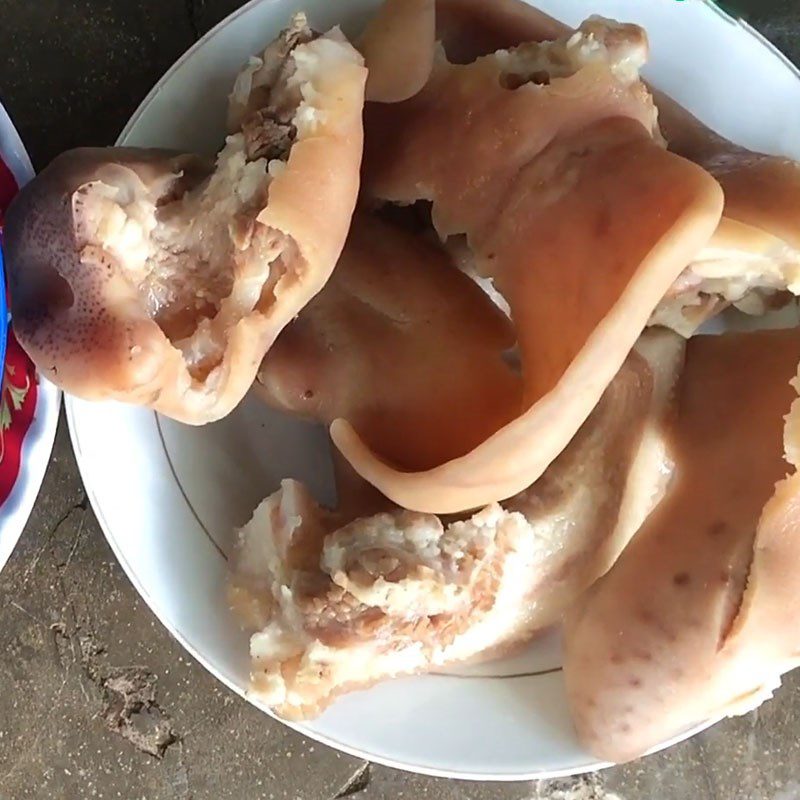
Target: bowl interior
168 496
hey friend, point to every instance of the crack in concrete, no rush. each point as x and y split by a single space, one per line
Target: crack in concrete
82 505
356 783
15 604
73 549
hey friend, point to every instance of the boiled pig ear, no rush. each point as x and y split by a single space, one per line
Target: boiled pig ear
547 202
401 343
398 46
698 617
753 260
141 276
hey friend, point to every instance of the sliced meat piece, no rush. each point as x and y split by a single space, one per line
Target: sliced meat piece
151 278
404 345
698 617
544 177
381 597
337 601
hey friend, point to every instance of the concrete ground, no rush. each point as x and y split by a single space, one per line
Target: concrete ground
98 701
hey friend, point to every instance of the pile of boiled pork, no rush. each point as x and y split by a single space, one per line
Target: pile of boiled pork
487 280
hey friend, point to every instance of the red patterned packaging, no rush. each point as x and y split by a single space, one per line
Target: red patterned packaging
18 381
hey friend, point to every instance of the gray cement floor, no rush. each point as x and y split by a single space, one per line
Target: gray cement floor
98 701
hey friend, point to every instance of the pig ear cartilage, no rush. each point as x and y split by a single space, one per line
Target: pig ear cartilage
523 208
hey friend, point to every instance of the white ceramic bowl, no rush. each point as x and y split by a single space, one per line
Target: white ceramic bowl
169 496
29 404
